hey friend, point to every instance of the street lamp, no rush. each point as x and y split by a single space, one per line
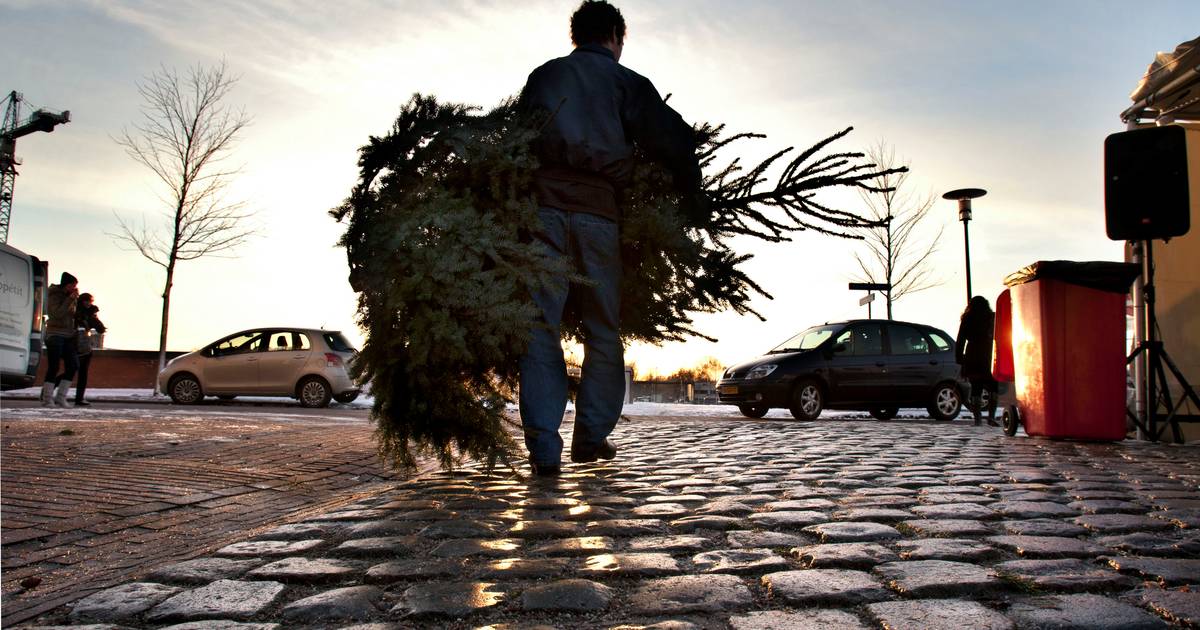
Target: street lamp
964 196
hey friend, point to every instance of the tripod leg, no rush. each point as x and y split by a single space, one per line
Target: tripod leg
1164 394
1188 394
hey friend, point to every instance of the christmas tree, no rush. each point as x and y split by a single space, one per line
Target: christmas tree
438 244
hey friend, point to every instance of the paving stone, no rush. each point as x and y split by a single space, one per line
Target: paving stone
1060 575
633 564
202 570
850 531
662 510
937 578
1189 518
381 546
428 515
457 529
824 586
873 514
610 501
305 571
969 511
1151 544
1044 527
800 505
354 603
937 614
692 523
684 499
802 620
690 594
298 531
739 561
386 527
496 548
624 527
543 529
741 539
581 546
668 543
1033 509
223 599
787 519
1091 612
568 595
477 504
1047 546
512 568
352 515
411 504
220 624
956 499
844 555
958 549
413 570
1169 571
1107 506
1179 606
449 599
121 603
267 548
1121 523
946 528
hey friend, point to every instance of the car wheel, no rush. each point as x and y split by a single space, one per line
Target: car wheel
313 391
884 413
946 403
753 411
226 397
185 390
807 400
1011 420
346 398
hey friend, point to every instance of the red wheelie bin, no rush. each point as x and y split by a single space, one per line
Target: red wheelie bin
1067 331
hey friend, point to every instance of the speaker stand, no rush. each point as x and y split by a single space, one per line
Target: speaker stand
1157 387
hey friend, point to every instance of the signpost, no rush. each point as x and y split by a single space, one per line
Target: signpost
870 297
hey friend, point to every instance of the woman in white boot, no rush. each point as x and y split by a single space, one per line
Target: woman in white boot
60 340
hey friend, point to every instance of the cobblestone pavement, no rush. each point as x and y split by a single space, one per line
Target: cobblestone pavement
94 497
726 524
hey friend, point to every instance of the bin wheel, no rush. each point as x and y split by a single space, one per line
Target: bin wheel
1011 420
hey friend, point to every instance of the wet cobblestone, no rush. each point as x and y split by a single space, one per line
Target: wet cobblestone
703 524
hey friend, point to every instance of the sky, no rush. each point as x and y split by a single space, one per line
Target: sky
1013 97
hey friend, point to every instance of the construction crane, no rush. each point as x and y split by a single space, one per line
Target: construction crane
14 127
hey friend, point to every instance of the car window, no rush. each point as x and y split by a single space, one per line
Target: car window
337 342
240 344
288 341
940 341
806 340
907 340
861 340
300 341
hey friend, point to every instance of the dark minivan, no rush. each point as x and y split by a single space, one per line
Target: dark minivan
869 365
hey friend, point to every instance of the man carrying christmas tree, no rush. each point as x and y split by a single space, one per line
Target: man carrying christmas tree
598 110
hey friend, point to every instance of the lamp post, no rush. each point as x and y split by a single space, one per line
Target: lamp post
964 196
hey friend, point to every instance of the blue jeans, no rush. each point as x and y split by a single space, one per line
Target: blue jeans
592 245
61 349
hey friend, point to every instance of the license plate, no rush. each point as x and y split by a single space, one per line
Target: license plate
729 389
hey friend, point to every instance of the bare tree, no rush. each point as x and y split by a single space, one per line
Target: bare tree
896 254
184 135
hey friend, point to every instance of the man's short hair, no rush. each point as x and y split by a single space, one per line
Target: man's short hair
595 22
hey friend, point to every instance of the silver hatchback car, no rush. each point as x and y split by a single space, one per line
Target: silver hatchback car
304 363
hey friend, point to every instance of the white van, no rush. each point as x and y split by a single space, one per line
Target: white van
22 294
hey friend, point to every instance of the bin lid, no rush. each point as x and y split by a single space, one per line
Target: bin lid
1114 277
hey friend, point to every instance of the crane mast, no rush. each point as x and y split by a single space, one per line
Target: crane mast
13 128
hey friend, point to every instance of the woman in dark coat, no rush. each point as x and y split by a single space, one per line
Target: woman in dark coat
974 353
85 321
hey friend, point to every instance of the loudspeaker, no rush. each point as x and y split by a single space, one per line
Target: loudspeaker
1150 185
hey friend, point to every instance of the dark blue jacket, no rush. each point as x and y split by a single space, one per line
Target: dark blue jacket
599 109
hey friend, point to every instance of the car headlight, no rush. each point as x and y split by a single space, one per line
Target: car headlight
761 370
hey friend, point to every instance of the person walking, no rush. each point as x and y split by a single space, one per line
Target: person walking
973 351
60 340
85 322
597 111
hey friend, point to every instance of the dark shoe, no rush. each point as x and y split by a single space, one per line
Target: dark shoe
545 470
582 455
82 403
992 422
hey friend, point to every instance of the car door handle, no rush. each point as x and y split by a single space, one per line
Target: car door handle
880 364
933 363
251 359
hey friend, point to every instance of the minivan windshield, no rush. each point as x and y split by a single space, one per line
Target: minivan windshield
806 340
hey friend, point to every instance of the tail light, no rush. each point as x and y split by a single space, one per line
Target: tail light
332 360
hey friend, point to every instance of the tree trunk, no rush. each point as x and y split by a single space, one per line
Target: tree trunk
162 333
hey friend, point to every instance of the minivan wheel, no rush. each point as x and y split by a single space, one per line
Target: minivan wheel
313 391
753 411
185 390
946 402
807 400
884 413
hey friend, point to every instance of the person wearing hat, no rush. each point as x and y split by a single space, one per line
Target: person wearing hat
85 322
61 340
